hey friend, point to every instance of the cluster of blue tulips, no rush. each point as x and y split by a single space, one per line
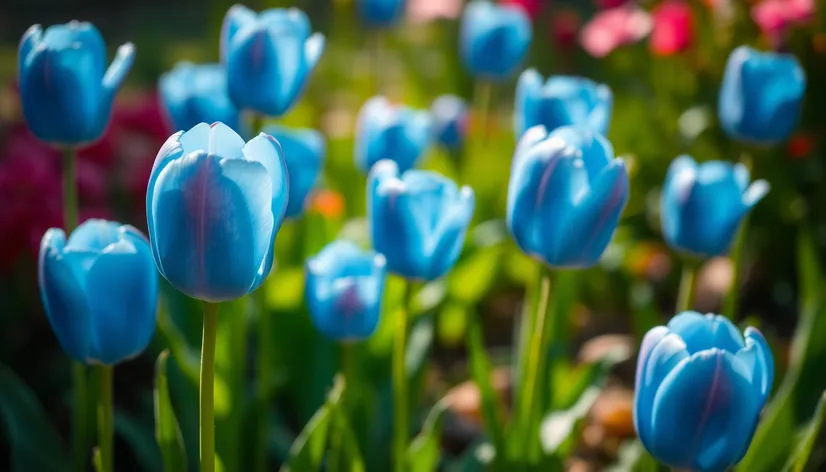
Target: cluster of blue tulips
216 200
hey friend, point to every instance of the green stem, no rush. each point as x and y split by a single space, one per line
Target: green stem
731 302
106 419
80 433
208 387
686 292
481 105
375 69
400 400
536 359
263 377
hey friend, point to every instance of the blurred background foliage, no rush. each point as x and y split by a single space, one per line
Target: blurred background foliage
664 106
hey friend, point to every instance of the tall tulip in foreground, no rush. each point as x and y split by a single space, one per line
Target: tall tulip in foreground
269 57
100 292
561 101
388 131
66 93
193 94
214 205
565 197
418 221
761 95
699 391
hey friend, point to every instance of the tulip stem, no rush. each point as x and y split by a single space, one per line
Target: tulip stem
264 329
731 302
208 387
80 434
686 291
481 104
106 419
400 400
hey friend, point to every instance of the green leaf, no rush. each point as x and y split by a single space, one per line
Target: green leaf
167 432
97 460
472 278
353 461
558 429
633 457
186 358
33 443
477 458
799 460
425 451
307 452
138 434
804 383
480 368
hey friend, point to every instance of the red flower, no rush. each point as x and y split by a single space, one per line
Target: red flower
565 25
532 7
775 17
673 28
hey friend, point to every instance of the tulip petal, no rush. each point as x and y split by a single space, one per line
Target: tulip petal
665 352
124 288
63 295
237 16
704 412
757 356
702 332
303 152
446 240
31 38
529 139
756 191
528 89
313 49
94 235
117 72
214 224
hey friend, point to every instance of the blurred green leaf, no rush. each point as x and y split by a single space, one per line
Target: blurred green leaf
97 460
186 358
33 442
480 370
138 435
452 321
633 457
167 432
307 452
353 461
472 278
285 289
804 383
571 384
477 458
799 461
558 430
424 452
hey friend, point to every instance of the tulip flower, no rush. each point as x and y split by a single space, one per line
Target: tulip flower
565 195
700 387
387 131
761 94
494 39
418 219
304 151
213 207
193 94
615 27
561 101
673 28
100 290
269 57
450 119
702 205
380 12
66 92
344 289
775 17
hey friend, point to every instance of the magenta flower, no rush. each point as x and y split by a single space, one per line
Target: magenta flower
615 27
775 17
673 28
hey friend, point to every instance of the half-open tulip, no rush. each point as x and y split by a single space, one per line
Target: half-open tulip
700 388
66 91
761 95
565 195
450 121
388 131
269 57
100 290
701 205
193 94
304 151
561 101
494 38
344 290
213 206
418 219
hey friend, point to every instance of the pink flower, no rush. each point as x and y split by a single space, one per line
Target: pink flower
673 28
532 7
610 29
610 3
774 17
422 11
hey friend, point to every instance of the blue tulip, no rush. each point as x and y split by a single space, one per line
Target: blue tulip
213 206
304 153
700 388
344 290
701 206
565 195
65 89
450 120
761 94
100 290
494 38
561 101
193 94
418 220
380 12
269 57
387 131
